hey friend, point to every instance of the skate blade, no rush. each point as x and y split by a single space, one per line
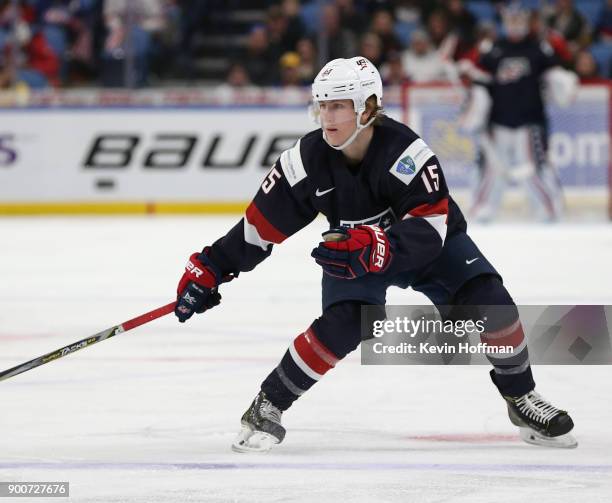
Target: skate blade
253 441
566 441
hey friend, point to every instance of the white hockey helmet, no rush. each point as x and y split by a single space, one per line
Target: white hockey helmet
355 79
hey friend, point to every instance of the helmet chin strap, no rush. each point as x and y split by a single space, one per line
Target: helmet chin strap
351 138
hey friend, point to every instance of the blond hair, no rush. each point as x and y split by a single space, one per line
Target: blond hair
375 110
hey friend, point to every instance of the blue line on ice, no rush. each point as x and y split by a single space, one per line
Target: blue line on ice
92 465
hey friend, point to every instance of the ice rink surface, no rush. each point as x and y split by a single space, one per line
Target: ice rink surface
149 415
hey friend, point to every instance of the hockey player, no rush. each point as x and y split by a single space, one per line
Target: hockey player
383 192
513 132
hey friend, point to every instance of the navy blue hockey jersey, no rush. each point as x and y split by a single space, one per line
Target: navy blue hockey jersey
398 185
515 85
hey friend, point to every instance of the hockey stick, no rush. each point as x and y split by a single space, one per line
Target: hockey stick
105 334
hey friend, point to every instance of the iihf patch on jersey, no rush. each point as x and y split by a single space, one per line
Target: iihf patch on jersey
406 166
411 160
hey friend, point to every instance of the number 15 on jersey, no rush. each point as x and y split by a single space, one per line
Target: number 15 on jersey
431 179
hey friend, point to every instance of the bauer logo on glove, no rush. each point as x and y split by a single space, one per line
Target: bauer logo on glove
352 253
190 267
197 289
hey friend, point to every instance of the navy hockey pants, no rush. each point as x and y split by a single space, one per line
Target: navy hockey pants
460 276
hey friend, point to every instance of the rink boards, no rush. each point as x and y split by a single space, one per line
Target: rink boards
212 158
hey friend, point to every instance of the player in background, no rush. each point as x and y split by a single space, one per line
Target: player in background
506 113
475 121
383 192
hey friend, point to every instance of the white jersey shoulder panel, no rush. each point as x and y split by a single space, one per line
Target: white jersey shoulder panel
291 164
411 160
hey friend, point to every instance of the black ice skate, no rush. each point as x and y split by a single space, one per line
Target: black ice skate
261 427
540 422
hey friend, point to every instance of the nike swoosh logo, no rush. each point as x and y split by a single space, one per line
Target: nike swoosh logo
320 193
468 262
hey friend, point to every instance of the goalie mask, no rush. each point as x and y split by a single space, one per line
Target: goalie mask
355 79
515 21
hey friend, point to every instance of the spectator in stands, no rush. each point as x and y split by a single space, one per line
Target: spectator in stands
194 14
382 25
55 14
440 34
69 28
351 17
603 25
259 61
425 7
341 43
392 72
423 63
538 29
279 39
463 23
6 76
28 55
26 15
290 70
438 26
371 48
147 14
371 7
167 42
41 58
237 76
295 26
566 20
586 68
140 20
236 79
60 40
308 59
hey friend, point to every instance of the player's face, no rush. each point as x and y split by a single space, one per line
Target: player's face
337 120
